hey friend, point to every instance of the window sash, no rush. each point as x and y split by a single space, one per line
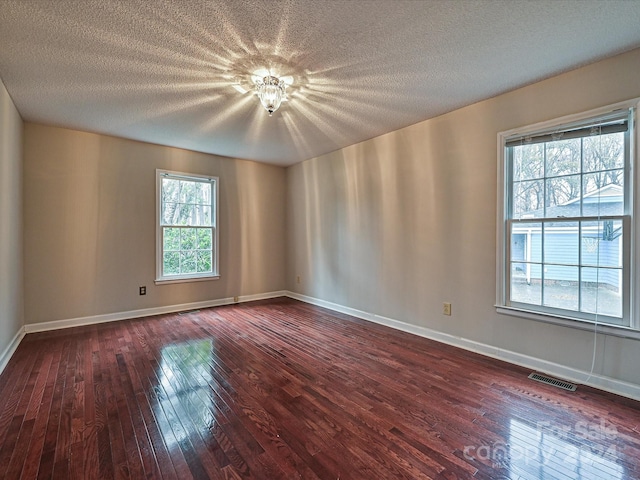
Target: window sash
544 179
182 255
541 262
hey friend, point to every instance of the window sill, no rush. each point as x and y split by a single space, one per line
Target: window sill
166 281
614 330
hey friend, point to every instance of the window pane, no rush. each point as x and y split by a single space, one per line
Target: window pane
170 190
168 212
171 263
563 157
527 292
204 261
561 196
204 238
204 196
528 199
560 287
561 240
519 246
201 216
601 291
188 239
188 262
602 243
528 161
177 214
603 193
171 239
526 244
187 191
197 193
189 214
526 254
603 152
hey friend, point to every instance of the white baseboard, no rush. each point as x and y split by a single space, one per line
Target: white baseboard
145 312
600 382
11 349
608 384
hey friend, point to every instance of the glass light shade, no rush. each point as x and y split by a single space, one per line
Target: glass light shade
271 91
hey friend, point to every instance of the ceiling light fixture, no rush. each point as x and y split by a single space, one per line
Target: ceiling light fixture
271 91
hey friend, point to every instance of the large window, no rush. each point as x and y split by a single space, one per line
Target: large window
567 224
186 231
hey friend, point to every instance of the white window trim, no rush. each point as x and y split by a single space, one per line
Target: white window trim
633 331
196 277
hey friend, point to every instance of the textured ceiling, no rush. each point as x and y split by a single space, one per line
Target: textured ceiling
164 71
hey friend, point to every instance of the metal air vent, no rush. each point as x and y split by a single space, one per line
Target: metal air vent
538 377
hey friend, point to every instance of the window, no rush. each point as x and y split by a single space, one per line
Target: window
187 237
566 219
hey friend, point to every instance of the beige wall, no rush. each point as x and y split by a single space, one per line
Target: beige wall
399 224
89 225
11 288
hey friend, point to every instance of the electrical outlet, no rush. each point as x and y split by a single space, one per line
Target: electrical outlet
143 290
298 279
236 299
446 309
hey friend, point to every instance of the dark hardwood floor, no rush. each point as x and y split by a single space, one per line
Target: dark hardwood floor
280 389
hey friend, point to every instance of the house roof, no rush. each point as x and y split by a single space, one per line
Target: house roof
164 71
606 201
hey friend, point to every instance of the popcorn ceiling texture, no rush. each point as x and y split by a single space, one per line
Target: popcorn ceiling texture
163 71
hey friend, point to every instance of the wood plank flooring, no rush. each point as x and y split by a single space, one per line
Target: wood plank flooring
280 389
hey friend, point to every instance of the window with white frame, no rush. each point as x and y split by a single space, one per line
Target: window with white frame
566 218
187 235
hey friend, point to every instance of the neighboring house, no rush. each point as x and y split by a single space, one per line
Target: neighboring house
600 245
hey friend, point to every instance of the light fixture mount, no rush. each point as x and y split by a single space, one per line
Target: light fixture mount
271 91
